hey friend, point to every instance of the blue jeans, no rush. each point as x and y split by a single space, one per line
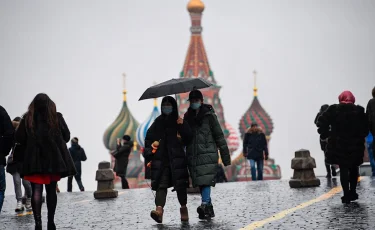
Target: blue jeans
254 170
206 194
2 185
371 157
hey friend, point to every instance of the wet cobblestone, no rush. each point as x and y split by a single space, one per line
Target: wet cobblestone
236 205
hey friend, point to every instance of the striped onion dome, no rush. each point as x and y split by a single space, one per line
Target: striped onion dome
256 114
142 128
233 139
125 124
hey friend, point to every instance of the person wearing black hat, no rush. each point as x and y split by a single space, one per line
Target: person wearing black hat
255 150
78 154
202 151
122 159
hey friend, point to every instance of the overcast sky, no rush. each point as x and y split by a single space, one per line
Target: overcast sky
305 53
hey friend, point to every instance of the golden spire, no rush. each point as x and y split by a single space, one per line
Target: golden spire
255 83
124 86
195 6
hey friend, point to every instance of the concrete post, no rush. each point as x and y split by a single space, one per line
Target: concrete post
303 165
105 177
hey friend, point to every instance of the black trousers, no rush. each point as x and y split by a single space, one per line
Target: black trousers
161 193
349 179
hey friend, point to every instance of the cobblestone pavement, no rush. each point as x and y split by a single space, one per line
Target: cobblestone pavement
237 205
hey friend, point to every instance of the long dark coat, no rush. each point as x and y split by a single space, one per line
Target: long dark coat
370 111
202 151
44 152
6 135
165 131
122 158
346 127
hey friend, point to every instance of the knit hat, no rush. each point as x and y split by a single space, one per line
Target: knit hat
75 140
126 138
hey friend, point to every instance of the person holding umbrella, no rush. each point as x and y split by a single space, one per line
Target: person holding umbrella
164 149
202 151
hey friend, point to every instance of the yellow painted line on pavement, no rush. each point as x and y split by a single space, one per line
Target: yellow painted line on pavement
25 213
284 213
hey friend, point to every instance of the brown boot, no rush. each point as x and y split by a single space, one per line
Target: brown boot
184 214
157 214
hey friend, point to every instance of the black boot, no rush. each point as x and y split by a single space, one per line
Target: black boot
203 212
211 212
51 226
38 221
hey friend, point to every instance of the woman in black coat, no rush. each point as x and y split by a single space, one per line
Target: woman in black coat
42 135
346 127
168 158
122 159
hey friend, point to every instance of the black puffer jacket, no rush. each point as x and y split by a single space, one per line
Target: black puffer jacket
323 143
6 135
170 152
255 144
346 127
78 155
44 152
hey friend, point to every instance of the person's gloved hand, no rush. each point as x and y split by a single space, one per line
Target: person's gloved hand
266 157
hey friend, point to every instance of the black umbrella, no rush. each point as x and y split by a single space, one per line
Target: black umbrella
175 86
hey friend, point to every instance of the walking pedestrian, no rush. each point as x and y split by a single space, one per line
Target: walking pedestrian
164 149
78 155
14 168
370 150
6 142
202 151
46 159
122 159
255 150
345 125
331 169
370 112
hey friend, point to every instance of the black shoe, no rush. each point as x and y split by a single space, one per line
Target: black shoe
210 209
202 211
51 226
345 200
353 196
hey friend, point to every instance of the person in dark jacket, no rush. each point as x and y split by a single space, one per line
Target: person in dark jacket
14 168
346 127
164 149
6 142
202 151
370 112
78 155
323 144
255 150
43 135
220 174
122 159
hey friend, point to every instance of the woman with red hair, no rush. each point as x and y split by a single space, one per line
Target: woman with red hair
345 125
42 135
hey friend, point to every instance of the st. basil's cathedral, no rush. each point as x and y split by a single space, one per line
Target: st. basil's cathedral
196 65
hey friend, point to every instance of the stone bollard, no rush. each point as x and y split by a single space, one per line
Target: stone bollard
105 177
303 165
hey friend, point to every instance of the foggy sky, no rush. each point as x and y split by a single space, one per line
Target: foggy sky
305 53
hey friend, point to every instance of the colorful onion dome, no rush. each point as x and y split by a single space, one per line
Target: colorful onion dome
233 139
142 128
256 114
195 6
125 124
135 164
